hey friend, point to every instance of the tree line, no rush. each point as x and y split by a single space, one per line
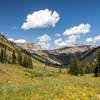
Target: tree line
15 58
78 67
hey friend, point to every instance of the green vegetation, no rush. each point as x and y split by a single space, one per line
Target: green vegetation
13 58
97 69
74 67
19 58
20 83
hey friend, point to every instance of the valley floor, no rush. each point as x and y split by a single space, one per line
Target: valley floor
19 83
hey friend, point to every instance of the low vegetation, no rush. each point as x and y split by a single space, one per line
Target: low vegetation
20 83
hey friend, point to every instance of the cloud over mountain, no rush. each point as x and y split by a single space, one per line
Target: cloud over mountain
17 41
72 35
44 38
44 41
77 30
96 39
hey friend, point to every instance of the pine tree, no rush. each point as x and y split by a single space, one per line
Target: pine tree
27 62
71 67
97 69
13 57
77 65
74 68
82 68
30 62
24 61
2 55
19 58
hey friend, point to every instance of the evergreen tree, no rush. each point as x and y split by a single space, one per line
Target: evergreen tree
30 62
71 67
97 69
77 65
82 68
27 62
13 57
19 58
74 68
2 55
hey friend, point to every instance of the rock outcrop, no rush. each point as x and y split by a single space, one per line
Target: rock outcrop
30 47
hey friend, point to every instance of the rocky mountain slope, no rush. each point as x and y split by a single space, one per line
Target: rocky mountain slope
30 47
55 57
62 56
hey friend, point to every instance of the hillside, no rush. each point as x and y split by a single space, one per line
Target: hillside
11 46
56 57
62 56
59 56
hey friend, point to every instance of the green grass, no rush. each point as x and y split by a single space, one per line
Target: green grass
19 83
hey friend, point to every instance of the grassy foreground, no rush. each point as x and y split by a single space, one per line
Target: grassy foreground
19 83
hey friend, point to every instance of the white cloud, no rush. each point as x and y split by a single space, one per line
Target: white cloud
62 44
57 41
17 41
67 42
72 35
96 39
41 19
45 45
20 41
57 34
89 39
11 39
44 41
77 30
72 40
44 38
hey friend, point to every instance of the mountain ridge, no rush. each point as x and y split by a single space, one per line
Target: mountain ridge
57 57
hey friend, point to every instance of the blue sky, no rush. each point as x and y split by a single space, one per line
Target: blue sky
82 15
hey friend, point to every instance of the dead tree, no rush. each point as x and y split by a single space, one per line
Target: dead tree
44 71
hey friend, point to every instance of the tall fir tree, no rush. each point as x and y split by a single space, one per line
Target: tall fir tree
97 69
27 62
74 68
30 62
13 57
24 61
77 65
2 55
71 67
19 58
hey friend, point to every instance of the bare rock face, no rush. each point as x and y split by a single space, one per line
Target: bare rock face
77 48
31 47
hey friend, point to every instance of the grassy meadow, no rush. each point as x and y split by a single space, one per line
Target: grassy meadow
20 83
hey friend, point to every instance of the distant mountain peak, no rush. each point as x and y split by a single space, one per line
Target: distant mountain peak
31 47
